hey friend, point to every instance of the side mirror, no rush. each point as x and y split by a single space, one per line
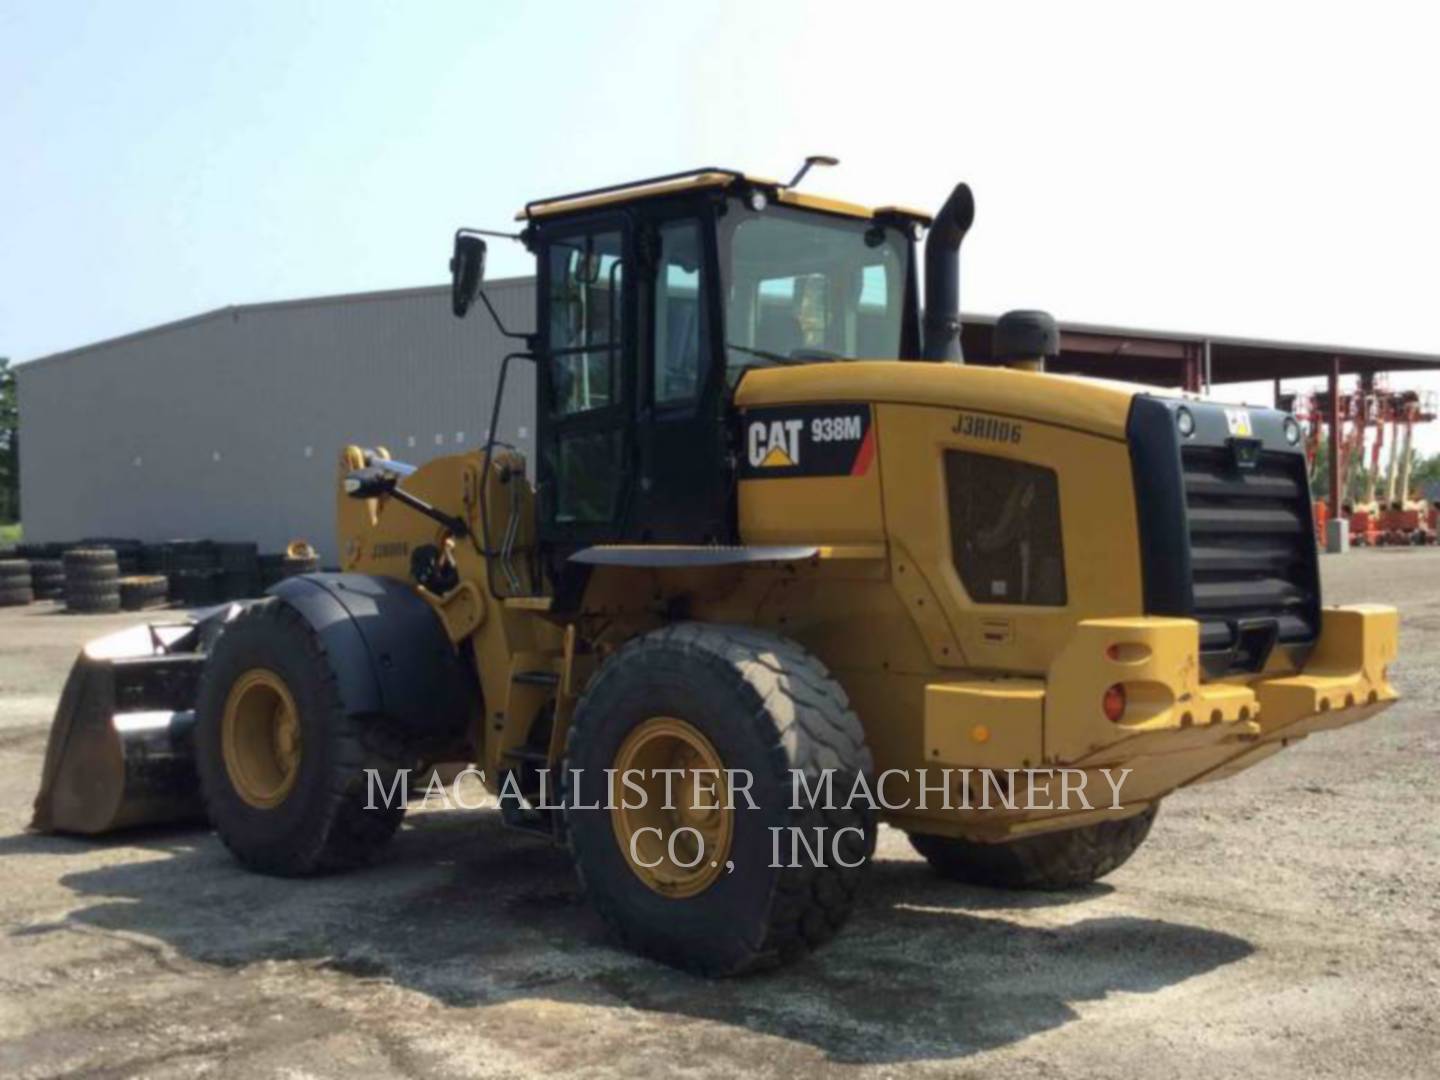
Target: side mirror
467 270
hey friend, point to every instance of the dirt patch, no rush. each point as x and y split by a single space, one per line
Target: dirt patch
1283 924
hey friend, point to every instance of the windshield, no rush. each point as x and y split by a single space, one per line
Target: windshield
802 286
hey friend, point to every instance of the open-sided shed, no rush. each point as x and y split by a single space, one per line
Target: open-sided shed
1197 362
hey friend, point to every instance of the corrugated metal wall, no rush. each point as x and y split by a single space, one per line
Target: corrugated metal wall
228 426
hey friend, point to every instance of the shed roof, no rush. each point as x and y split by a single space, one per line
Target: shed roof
1160 357
267 305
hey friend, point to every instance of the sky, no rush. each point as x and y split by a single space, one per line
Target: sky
1267 170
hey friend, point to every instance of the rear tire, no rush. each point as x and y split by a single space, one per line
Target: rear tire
1047 862
318 821
765 706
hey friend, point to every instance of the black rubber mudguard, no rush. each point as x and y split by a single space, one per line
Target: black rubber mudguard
388 648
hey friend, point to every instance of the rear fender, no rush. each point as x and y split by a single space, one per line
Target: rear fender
388 649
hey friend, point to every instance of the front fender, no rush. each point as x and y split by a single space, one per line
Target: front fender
388 649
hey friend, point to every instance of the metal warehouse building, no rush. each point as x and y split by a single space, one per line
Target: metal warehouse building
228 425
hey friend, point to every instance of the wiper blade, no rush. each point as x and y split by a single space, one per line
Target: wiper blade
774 358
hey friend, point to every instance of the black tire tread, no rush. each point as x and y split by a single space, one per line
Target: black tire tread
93 589
347 834
806 717
1048 862
16 569
90 557
93 575
142 591
96 604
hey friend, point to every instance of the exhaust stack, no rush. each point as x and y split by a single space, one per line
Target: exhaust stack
942 276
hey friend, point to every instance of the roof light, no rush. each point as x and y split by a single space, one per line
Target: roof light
758 201
1185 421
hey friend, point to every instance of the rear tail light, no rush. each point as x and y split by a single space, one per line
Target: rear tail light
1114 703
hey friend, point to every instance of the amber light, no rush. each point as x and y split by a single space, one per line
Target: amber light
1114 703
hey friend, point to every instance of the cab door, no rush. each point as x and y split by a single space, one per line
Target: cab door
585 380
682 494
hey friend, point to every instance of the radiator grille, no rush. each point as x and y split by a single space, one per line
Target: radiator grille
1252 551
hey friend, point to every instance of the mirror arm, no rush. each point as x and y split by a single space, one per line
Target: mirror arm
494 232
527 338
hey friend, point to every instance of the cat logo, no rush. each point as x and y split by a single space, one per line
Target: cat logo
774 444
784 441
1238 421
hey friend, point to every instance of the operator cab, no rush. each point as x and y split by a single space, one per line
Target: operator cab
654 300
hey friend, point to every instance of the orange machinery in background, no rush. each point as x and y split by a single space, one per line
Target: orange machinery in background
1371 417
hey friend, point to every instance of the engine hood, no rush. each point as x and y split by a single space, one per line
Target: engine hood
1097 406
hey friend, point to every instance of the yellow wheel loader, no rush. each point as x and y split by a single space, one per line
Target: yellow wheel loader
783 567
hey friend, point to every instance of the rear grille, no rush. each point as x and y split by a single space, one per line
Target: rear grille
1252 555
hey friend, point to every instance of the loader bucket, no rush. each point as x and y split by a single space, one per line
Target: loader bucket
121 749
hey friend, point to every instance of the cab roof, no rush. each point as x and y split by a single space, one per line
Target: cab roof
707 177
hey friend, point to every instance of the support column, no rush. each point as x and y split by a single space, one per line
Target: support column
1334 438
1192 371
1276 402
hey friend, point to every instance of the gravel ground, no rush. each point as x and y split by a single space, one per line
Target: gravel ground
1282 924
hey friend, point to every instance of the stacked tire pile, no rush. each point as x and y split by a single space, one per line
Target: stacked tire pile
127 552
139 592
92 580
47 571
41 551
205 572
107 575
47 578
239 571
298 558
15 587
193 567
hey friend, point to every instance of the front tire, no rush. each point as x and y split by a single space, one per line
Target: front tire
1051 861
282 765
695 696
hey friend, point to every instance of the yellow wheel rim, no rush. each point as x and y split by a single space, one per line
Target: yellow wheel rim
678 847
260 738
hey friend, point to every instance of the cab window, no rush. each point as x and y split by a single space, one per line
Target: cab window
682 336
803 286
586 322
